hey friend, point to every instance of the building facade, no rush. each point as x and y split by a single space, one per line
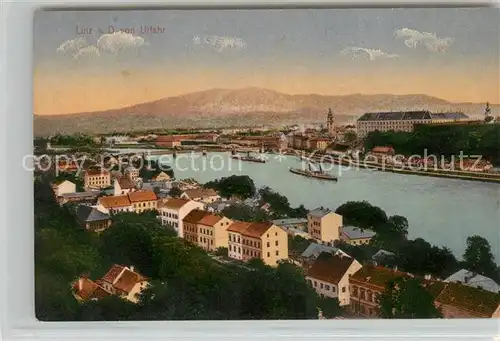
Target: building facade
402 120
143 201
265 241
329 275
235 239
63 187
324 225
173 211
97 179
212 232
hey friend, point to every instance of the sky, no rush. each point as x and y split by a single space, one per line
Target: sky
97 60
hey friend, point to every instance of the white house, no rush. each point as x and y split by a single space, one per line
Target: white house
329 275
173 211
206 196
235 239
63 187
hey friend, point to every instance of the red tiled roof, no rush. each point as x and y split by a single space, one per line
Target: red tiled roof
238 226
140 196
89 289
126 183
200 193
256 230
113 273
382 150
330 268
174 203
195 216
114 201
128 280
210 220
477 301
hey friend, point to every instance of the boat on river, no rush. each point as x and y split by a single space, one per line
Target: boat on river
317 174
248 158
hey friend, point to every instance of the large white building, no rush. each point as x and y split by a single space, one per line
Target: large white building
173 211
402 120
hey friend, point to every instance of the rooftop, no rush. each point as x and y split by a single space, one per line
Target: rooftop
330 268
174 203
114 201
376 275
195 216
80 195
125 183
315 249
449 116
86 214
289 221
352 232
210 219
320 212
475 280
396 116
86 288
256 230
140 196
238 226
478 301
200 193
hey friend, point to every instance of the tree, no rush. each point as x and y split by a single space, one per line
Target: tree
175 192
406 298
362 214
241 186
221 251
478 257
350 137
245 213
330 307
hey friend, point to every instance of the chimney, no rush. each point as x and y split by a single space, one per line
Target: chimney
80 284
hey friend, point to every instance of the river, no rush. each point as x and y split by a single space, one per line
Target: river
442 211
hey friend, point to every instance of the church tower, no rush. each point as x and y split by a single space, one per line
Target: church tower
330 123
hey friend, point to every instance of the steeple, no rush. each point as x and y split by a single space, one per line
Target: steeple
330 123
487 113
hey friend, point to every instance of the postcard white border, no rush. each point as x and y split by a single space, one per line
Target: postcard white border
16 224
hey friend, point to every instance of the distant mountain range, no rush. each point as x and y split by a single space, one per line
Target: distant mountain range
242 107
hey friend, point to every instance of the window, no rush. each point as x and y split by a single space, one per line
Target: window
276 243
321 285
315 284
277 253
268 244
276 233
268 254
211 242
343 289
333 288
327 287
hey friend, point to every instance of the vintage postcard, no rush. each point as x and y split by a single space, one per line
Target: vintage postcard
266 164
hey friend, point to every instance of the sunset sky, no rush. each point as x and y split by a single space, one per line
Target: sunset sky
448 53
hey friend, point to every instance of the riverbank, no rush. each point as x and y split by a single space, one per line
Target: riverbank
450 174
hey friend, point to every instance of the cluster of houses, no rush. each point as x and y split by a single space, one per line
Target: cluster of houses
196 217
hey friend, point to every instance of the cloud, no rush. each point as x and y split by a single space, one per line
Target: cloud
72 47
112 44
87 52
221 43
119 41
430 40
356 52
